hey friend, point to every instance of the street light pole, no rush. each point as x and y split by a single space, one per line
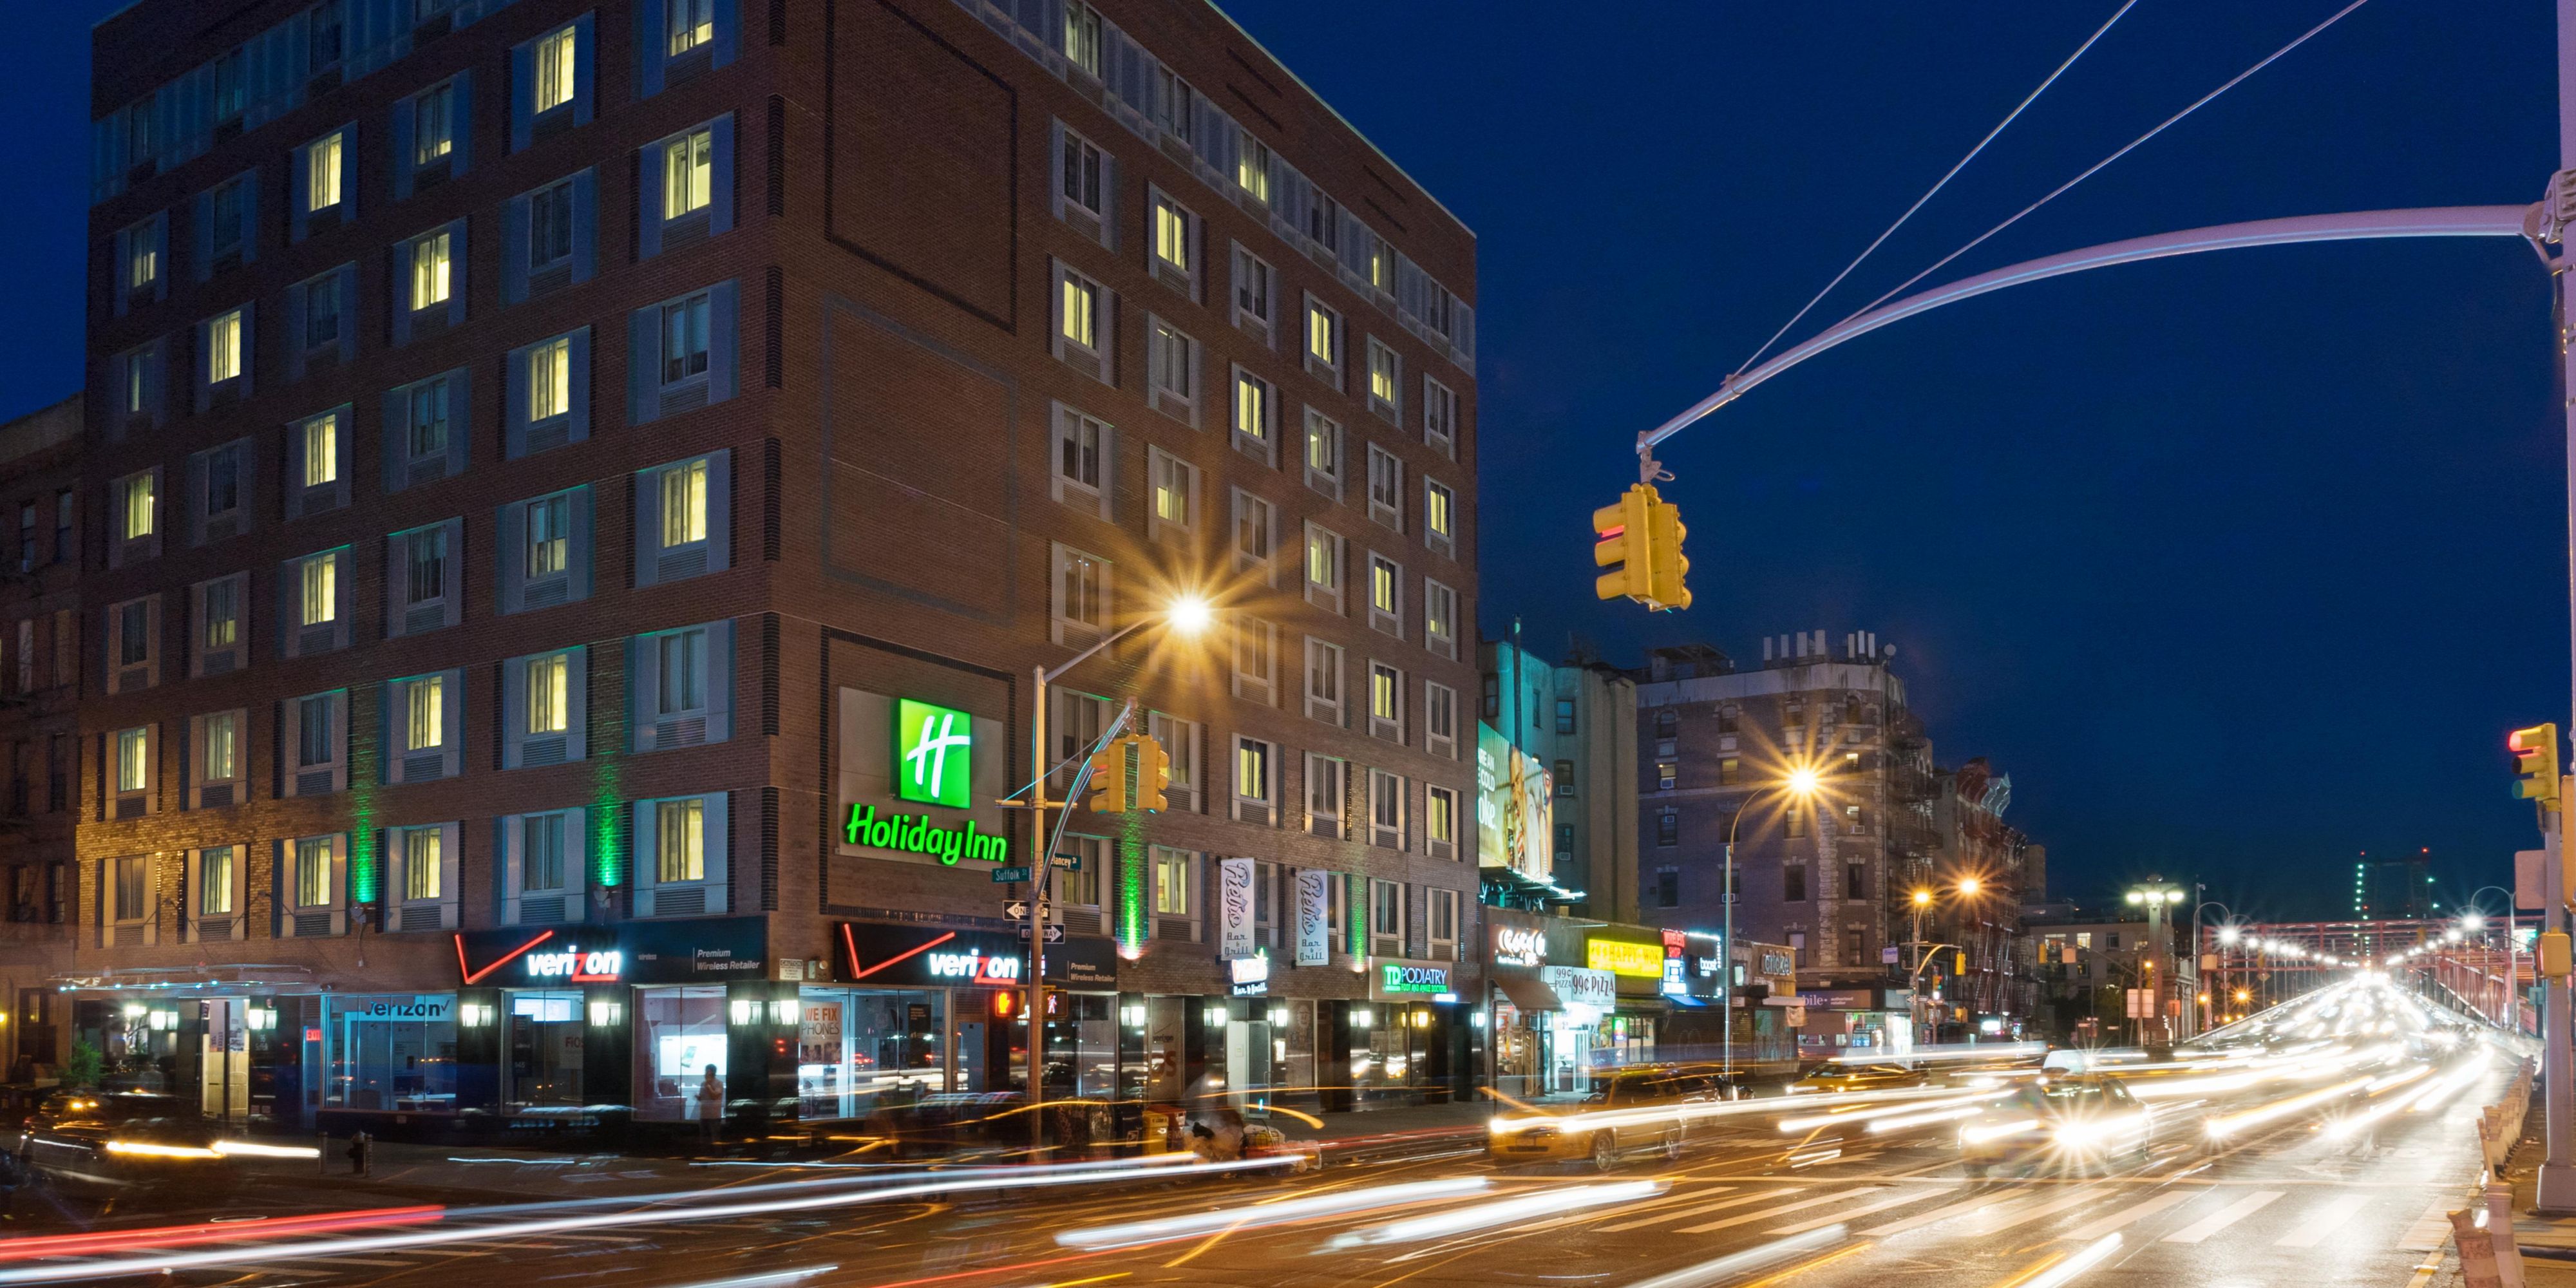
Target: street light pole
1801 782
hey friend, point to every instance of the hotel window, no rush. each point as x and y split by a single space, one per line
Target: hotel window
1252 167
220 641
546 545
556 62
324 186
1172 371
1324 568
1440 418
1253 787
1385 487
549 536
1730 770
421 860
1386 381
1386 809
141 254
690 24
551 221
319 300
1386 917
1386 596
684 514
422 593
1323 454
316 594
318 872
1252 283
689 343
1256 415
224 347
316 464
218 767
134 506
1440 827
1386 702
130 918
682 681
1080 168
544 708
1081 597
1256 660
1081 457
1439 517
683 868
1324 796
1323 342
1439 618
1172 881
1083 331
1256 535
1176 490
312 731
422 714
215 479
541 878
433 124
225 241
1442 923
134 644
430 270
322 34
219 870
688 180
1440 720
1175 252
133 760
1323 680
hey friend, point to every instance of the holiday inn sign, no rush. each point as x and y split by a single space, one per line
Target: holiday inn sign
933 764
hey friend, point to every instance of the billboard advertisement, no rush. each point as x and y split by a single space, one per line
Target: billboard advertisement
1513 792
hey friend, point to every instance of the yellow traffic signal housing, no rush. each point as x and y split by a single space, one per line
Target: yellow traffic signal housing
1109 779
1664 562
1621 535
2552 954
1153 774
2535 763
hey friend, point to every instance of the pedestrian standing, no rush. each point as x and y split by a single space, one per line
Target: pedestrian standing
711 1099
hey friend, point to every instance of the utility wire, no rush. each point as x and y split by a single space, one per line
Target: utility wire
1934 190
2096 167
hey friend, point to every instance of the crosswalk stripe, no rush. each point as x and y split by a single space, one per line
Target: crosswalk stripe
1977 1204
2023 1216
1898 1200
2430 1231
1763 1214
2223 1217
2323 1222
1661 1217
2128 1215
1631 1209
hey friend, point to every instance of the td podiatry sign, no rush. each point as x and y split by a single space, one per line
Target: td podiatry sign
917 780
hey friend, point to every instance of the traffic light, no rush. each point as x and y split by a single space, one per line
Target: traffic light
1153 774
1664 562
1622 534
1109 779
2535 763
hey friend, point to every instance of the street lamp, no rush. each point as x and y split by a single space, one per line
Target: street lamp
2155 896
2475 919
1803 784
1187 615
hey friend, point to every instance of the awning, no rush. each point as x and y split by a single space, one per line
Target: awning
1528 994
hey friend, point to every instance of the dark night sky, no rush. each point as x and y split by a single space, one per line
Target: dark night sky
2238 564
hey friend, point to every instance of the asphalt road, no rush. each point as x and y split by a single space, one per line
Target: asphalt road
2291 1201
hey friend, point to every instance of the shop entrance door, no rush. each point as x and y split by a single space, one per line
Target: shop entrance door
1248 1059
223 1061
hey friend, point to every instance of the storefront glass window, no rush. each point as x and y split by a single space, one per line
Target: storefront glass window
1082 1045
861 1050
391 1052
545 1040
679 1032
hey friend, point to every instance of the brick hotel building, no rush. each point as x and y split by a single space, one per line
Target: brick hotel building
545 457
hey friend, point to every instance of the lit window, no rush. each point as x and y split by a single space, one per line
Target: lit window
1381 585
549 536
1323 560
133 750
692 23
1382 374
1322 344
1251 769
688 171
215 881
1081 312
684 504
432 136
222 616
429 271
684 339
313 872
139 508
1171 882
1436 503
318 589
420 864
1384 684
222 751
1252 168
1171 234
425 715
1082 36
1171 490
1251 405
680 840
549 696
555 70
142 257
322 174
223 348
550 379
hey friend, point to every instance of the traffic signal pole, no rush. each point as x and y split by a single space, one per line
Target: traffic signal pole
2556 1190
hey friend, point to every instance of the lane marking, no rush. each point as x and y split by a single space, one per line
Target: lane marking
1977 1204
1661 1217
2323 1222
2223 1217
2130 1215
2430 1232
2026 1215
1846 1214
1765 1214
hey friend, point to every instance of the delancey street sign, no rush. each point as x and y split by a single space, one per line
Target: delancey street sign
934 755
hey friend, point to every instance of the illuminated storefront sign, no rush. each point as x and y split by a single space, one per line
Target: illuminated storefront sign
1250 976
1581 986
1409 978
932 957
642 952
917 834
1621 957
1519 946
576 965
934 755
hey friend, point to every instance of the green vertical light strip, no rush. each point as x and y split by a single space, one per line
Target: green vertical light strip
1357 901
607 803
1132 874
365 774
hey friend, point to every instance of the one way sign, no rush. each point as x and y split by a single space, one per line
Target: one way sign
1054 932
1018 909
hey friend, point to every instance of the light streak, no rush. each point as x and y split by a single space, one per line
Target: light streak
1257 1216
1997 1131
1734 1263
2283 1107
2064 1272
1859 1114
1902 1121
767 1280
1545 1203
253 1149
65 1245
151 1149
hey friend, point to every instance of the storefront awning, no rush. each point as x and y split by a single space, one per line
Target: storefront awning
1528 994
251 977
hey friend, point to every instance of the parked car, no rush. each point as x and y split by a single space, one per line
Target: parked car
2076 1120
1634 1110
1837 1076
104 1144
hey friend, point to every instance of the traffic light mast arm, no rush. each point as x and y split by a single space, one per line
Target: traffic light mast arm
2437 221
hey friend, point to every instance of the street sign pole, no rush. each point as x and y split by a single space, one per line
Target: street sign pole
2556 1189
1039 871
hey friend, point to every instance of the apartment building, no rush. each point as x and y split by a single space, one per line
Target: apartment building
583 488
40 677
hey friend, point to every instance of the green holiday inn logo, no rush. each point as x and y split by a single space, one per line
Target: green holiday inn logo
934 754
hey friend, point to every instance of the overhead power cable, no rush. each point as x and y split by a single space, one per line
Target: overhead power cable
1934 190
2097 166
